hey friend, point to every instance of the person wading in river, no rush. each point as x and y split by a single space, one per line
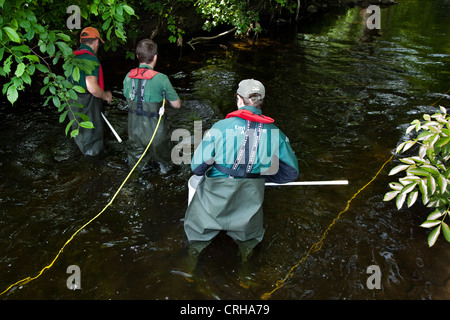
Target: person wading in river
145 89
90 141
235 159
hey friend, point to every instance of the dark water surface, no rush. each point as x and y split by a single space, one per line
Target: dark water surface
343 95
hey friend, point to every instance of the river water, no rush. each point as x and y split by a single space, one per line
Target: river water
342 93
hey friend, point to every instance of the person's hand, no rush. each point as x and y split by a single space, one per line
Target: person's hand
108 96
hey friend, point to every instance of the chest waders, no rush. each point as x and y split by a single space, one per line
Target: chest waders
142 120
232 203
89 141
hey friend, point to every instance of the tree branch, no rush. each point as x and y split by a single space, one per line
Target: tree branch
194 41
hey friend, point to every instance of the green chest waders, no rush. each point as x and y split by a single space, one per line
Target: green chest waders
89 141
142 120
233 205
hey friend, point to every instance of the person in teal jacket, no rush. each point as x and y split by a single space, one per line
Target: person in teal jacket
145 89
234 160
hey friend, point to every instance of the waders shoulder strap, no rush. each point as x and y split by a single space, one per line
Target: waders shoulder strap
239 169
139 92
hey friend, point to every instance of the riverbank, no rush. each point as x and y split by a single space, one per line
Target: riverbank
191 22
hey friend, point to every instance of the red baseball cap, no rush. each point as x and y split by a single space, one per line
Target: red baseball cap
90 33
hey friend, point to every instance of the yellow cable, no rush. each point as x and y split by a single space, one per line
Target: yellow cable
28 279
318 245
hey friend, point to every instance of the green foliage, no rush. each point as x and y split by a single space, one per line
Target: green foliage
35 42
165 11
230 12
427 173
241 14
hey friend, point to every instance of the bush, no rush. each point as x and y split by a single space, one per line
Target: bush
427 173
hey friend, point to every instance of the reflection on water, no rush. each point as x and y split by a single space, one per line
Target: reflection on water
343 95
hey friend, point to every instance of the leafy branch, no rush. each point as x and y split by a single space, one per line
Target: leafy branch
427 173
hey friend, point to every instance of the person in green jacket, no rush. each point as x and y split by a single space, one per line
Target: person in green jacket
145 89
234 160
90 141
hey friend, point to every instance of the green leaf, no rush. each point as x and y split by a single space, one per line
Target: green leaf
396 186
128 9
64 37
79 89
120 34
32 57
82 116
63 115
26 78
410 187
408 161
399 168
76 74
94 9
87 124
7 64
172 39
56 101
424 191
442 182
66 50
106 24
23 48
431 169
12 94
424 135
400 200
74 133
68 126
430 223
12 34
433 236
42 68
443 141
418 172
408 145
446 231
50 49
439 212
390 195
72 94
431 183
412 198
20 69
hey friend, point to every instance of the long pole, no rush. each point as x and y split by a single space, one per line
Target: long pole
308 183
112 129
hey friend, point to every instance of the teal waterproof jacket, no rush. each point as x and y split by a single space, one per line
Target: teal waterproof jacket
275 160
230 195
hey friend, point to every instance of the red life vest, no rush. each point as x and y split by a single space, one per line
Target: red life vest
142 73
100 74
248 115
